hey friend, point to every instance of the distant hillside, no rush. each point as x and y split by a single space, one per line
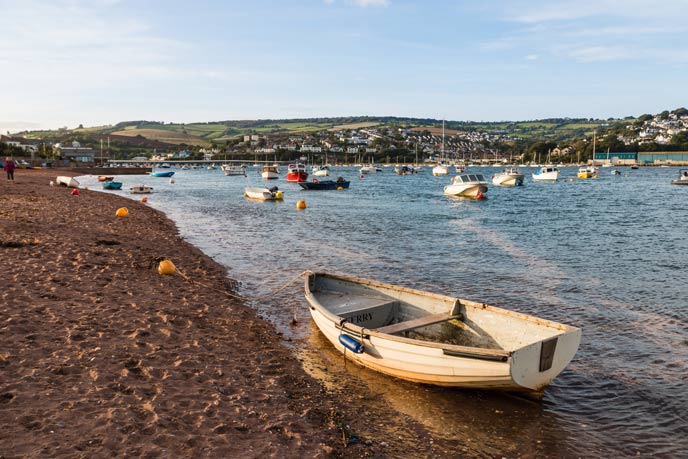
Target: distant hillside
667 130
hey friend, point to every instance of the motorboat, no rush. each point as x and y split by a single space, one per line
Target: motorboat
162 174
440 169
296 173
587 172
460 168
231 169
316 184
436 339
141 189
70 182
616 172
270 172
112 185
510 176
548 173
264 193
102 178
467 185
321 171
682 178
404 170
369 169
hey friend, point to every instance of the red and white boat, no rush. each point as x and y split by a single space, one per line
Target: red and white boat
297 173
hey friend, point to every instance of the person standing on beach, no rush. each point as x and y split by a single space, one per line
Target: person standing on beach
9 168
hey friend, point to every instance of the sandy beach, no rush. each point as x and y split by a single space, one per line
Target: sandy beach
103 357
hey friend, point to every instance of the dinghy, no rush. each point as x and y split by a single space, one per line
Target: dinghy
434 339
112 185
263 193
67 181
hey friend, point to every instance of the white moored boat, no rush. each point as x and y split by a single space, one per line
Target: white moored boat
232 169
141 189
270 172
682 178
263 194
510 176
321 171
467 185
436 339
546 174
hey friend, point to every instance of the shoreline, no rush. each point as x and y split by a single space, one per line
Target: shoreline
103 356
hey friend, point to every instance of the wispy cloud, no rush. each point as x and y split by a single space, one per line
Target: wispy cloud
532 57
587 31
370 3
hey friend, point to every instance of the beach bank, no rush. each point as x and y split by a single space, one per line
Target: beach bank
102 356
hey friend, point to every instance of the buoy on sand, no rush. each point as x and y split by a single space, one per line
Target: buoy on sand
122 212
144 199
166 267
301 204
75 192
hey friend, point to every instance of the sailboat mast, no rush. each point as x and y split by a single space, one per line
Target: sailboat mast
442 153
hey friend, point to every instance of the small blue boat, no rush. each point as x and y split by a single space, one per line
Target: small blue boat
162 174
325 184
112 185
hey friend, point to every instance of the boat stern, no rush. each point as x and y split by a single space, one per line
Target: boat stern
534 366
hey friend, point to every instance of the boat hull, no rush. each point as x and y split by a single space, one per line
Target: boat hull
465 190
546 177
297 176
262 194
508 179
111 185
324 185
440 170
142 189
429 362
162 174
67 181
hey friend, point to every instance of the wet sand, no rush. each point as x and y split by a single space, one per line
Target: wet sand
101 356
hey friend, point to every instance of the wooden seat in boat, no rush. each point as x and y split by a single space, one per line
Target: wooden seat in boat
417 323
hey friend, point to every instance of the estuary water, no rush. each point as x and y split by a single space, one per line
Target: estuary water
608 255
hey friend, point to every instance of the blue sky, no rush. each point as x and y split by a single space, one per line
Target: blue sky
65 63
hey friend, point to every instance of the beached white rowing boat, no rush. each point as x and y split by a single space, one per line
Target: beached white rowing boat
435 339
70 182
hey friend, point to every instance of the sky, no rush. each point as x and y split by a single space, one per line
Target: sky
99 62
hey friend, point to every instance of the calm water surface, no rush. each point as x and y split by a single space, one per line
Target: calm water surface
608 255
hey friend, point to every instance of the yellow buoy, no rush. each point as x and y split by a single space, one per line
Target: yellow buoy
340 188
279 195
166 267
122 212
301 204
571 179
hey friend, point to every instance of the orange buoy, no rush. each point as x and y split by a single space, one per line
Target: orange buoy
144 199
122 212
301 204
166 267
